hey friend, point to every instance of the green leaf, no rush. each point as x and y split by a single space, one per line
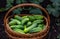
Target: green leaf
54 10
23 1
2 9
9 4
56 13
56 1
10 1
17 11
58 24
58 36
36 1
18 1
35 11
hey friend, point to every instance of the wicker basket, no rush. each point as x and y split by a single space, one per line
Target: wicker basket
14 35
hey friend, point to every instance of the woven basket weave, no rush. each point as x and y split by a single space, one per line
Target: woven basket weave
14 35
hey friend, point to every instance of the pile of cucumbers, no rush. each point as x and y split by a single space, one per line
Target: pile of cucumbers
27 24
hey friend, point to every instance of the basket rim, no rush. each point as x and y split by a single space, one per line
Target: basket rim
28 4
13 37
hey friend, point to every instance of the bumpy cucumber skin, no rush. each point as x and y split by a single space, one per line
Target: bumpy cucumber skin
19 31
41 25
29 23
38 17
38 21
14 21
31 18
18 17
24 20
37 29
16 26
30 27
24 17
32 24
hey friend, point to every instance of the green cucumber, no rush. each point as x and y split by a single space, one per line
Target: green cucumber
38 17
29 23
38 21
18 17
31 18
25 20
30 27
37 29
41 25
16 26
24 17
19 31
14 22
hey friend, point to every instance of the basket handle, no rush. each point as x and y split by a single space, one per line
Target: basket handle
28 4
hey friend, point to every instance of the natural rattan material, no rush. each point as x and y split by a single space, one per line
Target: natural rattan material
38 35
